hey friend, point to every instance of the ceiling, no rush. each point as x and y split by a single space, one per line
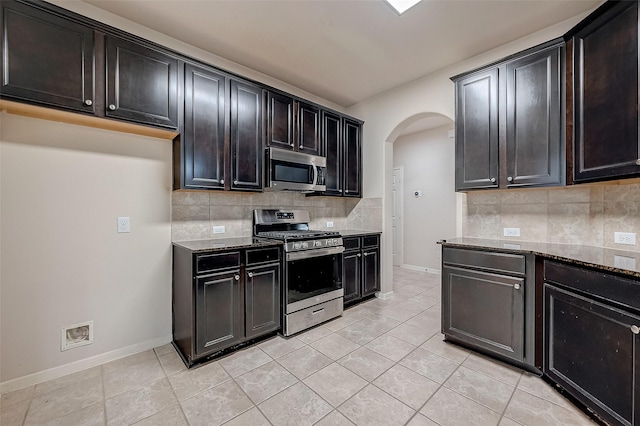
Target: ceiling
350 50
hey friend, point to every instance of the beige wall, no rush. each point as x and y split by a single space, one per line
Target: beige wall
427 159
581 214
62 261
196 212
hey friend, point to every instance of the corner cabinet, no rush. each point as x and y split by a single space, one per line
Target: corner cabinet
361 267
488 302
524 92
605 94
592 340
222 299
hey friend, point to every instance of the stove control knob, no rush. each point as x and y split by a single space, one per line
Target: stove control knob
297 246
317 243
305 245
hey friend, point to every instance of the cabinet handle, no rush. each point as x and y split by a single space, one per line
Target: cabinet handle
221 181
250 274
112 107
88 102
516 286
635 329
359 255
638 162
509 179
236 277
493 180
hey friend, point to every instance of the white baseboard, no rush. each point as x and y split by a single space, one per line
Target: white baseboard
83 364
420 268
384 296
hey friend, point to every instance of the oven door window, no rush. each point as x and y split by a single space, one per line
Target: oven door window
291 172
313 276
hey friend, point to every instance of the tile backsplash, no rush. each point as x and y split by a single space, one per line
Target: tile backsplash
195 213
587 215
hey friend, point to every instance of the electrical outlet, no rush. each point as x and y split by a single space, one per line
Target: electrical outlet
124 225
218 230
628 238
329 224
511 232
624 262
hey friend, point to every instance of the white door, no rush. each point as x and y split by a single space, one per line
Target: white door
397 201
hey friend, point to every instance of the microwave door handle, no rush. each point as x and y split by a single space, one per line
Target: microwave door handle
315 174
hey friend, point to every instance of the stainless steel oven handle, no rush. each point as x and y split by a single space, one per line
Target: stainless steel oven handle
308 254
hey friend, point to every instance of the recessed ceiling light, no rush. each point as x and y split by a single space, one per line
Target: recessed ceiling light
401 6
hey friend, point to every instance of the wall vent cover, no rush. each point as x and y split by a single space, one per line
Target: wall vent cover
77 335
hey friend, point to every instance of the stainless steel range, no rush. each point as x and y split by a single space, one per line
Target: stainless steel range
313 267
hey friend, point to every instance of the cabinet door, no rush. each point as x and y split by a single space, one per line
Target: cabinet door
142 84
592 352
332 141
219 312
477 137
309 140
262 300
485 310
606 141
203 159
247 136
46 59
534 128
352 159
370 272
351 275
281 120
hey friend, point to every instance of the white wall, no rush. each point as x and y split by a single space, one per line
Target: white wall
62 261
386 114
427 159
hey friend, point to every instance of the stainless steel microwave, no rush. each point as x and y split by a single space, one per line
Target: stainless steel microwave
295 171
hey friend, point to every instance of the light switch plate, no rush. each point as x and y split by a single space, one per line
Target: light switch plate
124 225
218 229
329 224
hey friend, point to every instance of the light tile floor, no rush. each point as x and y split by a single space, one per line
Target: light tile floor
382 363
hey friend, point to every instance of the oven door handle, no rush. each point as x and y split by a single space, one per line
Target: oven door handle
308 254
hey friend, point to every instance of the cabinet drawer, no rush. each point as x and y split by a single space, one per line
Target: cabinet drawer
351 243
613 288
216 261
371 241
271 254
499 262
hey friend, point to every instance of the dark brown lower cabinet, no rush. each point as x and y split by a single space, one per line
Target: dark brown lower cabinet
488 303
592 345
361 267
223 299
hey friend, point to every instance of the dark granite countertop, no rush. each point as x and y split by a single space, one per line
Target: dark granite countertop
218 244
356 233
611 260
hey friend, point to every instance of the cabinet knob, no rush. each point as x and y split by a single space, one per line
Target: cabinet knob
221 181
88 102
366 254
346 191
250 274
509 179
340 191
635 329
236 277
359 255
516 286
493 180
300 147
638 162
235 182
291 144
112 107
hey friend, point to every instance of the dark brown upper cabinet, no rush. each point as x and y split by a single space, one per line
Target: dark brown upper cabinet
46 59
221 143
477 130
247 135
509 125
281 121
203 135
342 138
605 94
308 132
142 84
